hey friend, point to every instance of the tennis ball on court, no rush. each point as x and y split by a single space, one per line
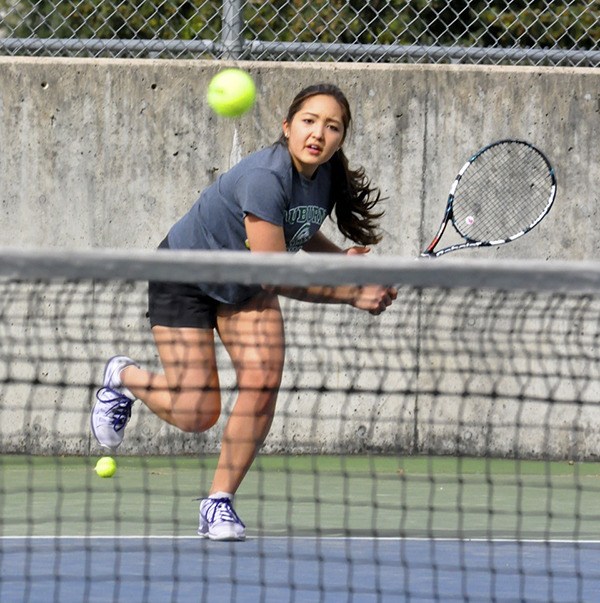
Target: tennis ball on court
106 466
231 92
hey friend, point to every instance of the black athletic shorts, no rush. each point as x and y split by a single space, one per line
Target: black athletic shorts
180 304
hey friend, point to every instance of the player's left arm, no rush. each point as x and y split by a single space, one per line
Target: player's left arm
266 237
362 297
319 243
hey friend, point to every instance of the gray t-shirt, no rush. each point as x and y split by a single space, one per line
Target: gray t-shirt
266 185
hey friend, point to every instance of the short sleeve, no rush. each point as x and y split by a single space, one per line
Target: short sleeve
261 193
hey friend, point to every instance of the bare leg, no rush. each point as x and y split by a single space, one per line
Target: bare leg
254 339
187 394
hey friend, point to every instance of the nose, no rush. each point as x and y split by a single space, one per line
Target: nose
318 131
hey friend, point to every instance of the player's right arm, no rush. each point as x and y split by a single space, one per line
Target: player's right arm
265 237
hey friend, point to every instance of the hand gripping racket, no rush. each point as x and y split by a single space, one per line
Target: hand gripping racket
500 194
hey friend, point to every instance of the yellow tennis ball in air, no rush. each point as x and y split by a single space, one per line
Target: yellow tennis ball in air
231 92
106 466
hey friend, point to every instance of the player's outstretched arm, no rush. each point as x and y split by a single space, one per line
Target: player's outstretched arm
266 237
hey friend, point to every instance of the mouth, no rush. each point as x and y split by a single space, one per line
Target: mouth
314 149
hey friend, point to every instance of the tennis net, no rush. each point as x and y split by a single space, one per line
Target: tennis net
445 450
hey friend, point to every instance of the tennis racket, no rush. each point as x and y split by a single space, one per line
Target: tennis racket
501 193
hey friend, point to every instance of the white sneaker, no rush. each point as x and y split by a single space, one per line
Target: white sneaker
112 410
219 521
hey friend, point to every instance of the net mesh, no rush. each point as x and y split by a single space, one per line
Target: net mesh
444 450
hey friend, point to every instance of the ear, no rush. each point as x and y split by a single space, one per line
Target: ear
286 128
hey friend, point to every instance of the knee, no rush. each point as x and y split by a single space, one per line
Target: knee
264 384
197 422
258 400
195 414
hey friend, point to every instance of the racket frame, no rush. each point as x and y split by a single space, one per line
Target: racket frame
449 212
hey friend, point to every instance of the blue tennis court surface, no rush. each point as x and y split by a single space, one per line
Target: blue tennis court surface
321 529
303 569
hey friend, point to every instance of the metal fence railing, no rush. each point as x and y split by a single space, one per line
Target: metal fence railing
526 32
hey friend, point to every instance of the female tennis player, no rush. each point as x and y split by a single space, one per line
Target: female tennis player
274 200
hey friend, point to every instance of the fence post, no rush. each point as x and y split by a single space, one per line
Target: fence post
231 28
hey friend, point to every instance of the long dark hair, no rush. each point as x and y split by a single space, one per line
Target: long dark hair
353 196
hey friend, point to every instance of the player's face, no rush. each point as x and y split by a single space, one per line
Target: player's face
315 133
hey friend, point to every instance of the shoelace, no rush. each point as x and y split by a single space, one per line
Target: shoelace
221 508
120 411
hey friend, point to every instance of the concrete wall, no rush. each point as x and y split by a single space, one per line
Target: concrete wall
108 153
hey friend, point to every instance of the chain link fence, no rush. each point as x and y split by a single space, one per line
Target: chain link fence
525 32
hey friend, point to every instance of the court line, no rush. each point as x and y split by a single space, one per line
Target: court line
299 538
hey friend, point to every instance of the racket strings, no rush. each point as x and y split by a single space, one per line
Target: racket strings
503 193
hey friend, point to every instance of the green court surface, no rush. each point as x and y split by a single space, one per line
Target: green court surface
374 496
